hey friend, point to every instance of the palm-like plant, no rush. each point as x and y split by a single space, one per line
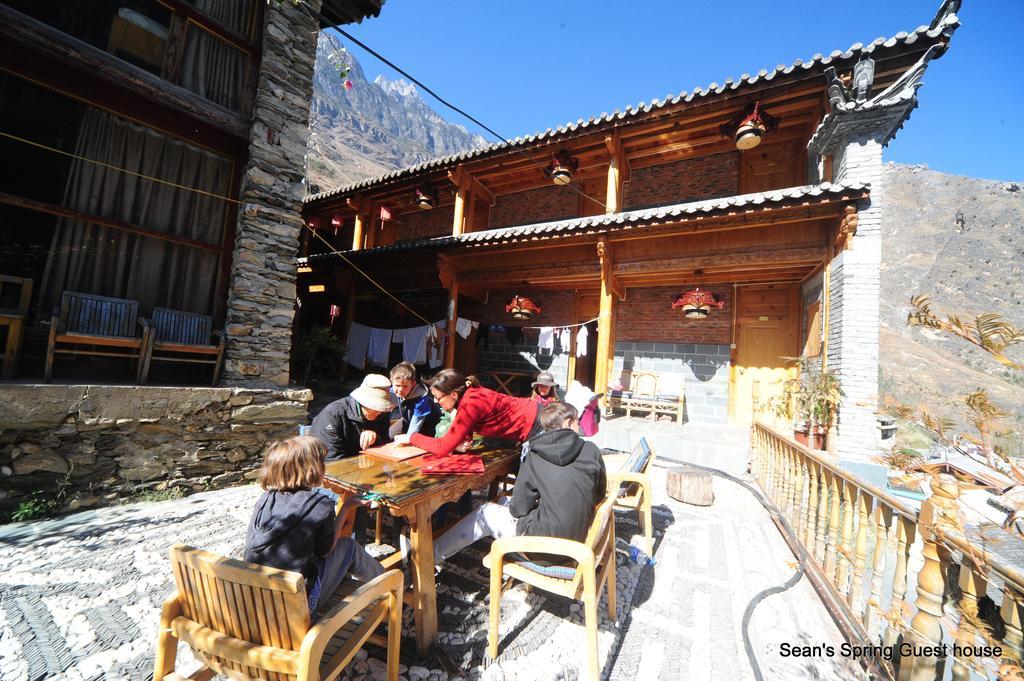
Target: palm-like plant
812 397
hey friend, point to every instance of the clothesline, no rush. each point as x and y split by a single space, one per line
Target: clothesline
558 326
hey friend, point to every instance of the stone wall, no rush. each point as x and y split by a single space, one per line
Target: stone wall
106 442
261 298
702 369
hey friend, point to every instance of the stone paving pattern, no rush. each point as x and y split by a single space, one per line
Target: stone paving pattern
81 598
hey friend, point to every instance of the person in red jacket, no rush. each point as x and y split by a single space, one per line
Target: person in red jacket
481 410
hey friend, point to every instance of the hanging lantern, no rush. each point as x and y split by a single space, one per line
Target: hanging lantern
426 197
521 307
751 127
336 224
697 303
561 168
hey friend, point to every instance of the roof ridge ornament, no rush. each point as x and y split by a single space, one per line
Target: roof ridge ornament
947 8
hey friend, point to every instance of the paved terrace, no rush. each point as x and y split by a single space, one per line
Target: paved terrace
81 594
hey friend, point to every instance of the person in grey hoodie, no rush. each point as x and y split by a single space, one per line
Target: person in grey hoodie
294 526
559 485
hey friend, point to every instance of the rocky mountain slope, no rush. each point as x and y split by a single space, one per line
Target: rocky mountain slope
372 128
966 269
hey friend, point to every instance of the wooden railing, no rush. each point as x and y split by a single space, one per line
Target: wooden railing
867 547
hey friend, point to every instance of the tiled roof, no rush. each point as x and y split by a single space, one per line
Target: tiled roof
818 61
621 221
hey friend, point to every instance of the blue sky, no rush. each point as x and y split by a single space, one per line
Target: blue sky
526 66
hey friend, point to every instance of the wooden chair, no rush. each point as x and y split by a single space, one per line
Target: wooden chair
85 322
177 334
635 492
595 569
246 621
646 396
15 298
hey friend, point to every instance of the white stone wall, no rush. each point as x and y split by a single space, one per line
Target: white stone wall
854 292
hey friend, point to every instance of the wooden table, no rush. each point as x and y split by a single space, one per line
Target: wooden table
504 378
414 496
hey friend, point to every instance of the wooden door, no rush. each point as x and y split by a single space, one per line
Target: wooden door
766 333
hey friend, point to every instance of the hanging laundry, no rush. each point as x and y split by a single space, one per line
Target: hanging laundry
358 341
581 341
414 343
546 339
435 344
514 335
464 327
379 347
484 334
565 339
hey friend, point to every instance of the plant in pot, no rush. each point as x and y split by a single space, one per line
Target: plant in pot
811 400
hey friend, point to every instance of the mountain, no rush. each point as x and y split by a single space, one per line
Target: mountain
372 128
965 269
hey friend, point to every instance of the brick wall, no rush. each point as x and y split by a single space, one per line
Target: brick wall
537 205
854 291
424 224
689 180
702 369
647 316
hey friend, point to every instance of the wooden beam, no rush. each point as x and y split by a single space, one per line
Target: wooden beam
39 40
460 179
359 229
62 212
453 316
613 192
480 192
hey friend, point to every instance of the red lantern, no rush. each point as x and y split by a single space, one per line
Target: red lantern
748 130
697 303
521 307
561 168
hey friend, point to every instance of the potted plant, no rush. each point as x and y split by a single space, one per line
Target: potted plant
811 400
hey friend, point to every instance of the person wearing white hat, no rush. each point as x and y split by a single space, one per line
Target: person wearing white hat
358 421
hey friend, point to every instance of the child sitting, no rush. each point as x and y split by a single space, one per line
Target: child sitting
416 411
294 526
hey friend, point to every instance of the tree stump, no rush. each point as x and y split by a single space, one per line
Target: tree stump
690 486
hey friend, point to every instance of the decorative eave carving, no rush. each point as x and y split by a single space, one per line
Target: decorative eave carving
856 114
847 228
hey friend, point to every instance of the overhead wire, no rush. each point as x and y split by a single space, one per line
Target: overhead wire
540 164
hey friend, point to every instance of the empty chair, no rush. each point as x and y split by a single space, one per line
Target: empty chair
85 324
184 337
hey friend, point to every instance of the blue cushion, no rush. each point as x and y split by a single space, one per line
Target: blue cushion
620 393
556 571
667 397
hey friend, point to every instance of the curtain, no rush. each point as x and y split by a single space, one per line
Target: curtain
211 68
106 261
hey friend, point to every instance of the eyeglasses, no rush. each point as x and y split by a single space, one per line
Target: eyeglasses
437 399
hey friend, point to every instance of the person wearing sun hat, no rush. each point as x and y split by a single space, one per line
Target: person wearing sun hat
544 389
358 421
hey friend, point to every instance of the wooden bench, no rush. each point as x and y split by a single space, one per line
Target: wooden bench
595 570
246 621
15 297
179 336
647 393
85 324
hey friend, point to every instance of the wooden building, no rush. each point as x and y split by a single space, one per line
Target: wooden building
97 99
664 197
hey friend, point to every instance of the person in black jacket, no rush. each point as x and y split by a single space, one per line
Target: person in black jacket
557 490
358 421
294 526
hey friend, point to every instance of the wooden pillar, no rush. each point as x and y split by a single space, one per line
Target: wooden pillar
357 233
605 322
573 319
613 193
350 315
462 181
453 316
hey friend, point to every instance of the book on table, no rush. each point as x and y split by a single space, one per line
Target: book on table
451 464
394 452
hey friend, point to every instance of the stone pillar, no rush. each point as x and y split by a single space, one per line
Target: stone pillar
261 297
853 305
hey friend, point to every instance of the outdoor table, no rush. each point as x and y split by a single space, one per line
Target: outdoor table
408 493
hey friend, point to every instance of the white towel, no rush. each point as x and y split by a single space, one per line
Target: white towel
379 347
435 355
546 339
464 327
565 339
358 341
581 341
414 343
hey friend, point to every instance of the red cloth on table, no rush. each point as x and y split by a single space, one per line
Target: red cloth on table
490 413
451 464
